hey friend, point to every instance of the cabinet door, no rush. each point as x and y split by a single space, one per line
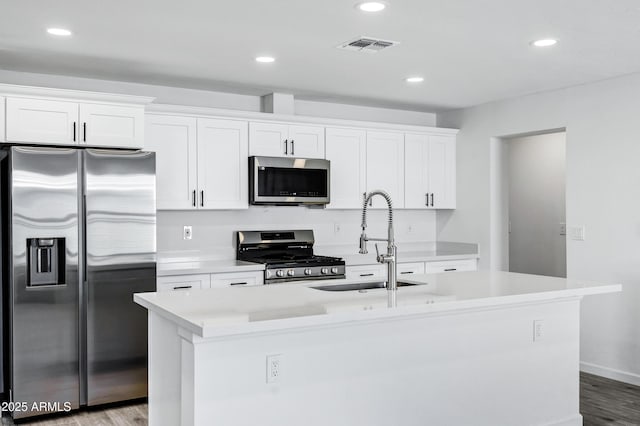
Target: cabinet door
174 141
237 279
222 164
346 149
416 189
408 269
385 167
451 266
366 271
2 120
269 139
111 126
442 171
41 121
183 282
306 141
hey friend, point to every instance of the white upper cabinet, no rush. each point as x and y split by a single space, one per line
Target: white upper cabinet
53 122
430 168
2 119
173 139
112 126
385 167
42 121
346 149
222 164
285 140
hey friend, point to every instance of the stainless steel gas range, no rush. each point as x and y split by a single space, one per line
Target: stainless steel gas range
287 255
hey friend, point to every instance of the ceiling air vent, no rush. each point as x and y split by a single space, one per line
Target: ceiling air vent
367 44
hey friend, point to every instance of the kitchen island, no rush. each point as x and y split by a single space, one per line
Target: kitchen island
467 348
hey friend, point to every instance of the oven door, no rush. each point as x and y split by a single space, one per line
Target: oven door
276 180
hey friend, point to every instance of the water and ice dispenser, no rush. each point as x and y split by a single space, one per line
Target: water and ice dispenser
45 261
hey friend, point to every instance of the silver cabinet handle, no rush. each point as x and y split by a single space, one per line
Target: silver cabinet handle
84 132
426 199
182 287
406 272
292 141
239 283
432 199
193 198
366 275
451 269
201 198
286 147
74 131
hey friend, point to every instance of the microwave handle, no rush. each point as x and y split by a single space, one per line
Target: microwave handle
286 147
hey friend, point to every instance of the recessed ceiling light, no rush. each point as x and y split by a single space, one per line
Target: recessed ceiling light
414 79
545 42
59 32
371 6
265 59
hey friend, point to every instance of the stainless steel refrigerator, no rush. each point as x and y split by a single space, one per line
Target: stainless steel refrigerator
78 239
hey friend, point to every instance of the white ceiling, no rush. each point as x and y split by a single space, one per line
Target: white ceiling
469 51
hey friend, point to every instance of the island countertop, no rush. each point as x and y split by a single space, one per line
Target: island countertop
234 311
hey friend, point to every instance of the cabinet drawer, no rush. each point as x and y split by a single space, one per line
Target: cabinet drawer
237 279
452 266
183 282
412 268
366 271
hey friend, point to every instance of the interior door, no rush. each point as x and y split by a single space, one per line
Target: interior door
44 307
119 189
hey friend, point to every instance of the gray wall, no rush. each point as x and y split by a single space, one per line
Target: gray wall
603 193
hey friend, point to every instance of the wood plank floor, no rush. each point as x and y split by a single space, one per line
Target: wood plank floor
603 402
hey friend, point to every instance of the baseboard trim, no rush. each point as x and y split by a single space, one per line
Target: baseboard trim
610 373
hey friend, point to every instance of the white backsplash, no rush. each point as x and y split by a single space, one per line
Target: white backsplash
214 231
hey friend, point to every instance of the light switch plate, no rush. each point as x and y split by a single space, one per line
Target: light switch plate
187 232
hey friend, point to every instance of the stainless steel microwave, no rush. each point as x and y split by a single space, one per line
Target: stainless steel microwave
288 181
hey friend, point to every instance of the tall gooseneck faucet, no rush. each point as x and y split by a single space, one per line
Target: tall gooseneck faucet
390 257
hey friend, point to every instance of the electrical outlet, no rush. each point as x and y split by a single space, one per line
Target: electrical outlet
538 330
274 368
409 229
187 232
336 228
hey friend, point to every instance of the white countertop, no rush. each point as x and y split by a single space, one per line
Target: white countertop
205 267
232 311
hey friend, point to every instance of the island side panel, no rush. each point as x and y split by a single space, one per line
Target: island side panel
165 371
478 367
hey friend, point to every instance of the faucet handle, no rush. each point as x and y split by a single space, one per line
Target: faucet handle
378 254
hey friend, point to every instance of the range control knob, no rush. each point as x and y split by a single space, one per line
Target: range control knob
334 270
324 271
307 271
280 273
290 272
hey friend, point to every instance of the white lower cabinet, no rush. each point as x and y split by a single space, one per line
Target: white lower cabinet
407 269
366 271
240 279
183 282
452 266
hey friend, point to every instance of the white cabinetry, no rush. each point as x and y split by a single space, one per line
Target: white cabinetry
174 141
183 282
200 281
451 266
346 149
286 140
430 170
2 119
200 163
385 167
61 122
222 164
366 271
237 279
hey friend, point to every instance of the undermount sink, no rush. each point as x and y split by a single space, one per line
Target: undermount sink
359 286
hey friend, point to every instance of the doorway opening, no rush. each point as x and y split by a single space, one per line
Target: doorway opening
529 203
